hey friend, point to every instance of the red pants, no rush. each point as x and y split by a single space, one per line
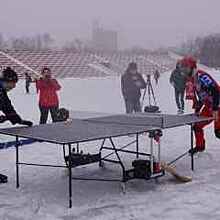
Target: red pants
198 127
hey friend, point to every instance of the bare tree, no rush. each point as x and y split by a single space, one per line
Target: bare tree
38 42
206 49
76 45
47 41
2 42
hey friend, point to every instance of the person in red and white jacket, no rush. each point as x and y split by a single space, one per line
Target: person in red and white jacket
204 91
47 88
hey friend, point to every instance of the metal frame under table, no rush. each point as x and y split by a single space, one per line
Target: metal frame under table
103 128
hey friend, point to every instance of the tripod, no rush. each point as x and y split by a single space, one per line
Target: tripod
152 103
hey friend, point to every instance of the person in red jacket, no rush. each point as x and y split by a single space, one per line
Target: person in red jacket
205 93
47 88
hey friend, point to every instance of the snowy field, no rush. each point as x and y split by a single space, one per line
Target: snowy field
43 194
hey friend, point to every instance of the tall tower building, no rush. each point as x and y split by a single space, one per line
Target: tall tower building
103 39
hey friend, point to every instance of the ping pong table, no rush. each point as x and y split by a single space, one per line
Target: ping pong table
105 127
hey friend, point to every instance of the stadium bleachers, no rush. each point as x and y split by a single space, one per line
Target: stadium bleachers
76 65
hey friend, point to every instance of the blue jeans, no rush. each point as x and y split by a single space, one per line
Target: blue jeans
132 106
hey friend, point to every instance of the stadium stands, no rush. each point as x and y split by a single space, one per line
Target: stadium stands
76 65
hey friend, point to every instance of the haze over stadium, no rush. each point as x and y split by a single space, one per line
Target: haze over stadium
149 24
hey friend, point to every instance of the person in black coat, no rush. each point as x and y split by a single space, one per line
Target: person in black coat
131 84
8 80
178 81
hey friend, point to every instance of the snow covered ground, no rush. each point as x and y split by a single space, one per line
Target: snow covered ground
43 194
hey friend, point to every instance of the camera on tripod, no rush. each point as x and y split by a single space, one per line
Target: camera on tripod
152 106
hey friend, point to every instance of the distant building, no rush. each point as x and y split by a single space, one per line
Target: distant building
104 39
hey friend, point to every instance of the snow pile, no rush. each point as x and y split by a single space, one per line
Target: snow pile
43 194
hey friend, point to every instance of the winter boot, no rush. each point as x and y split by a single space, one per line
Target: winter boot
180 112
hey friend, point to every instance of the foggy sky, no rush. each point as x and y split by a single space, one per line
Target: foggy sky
148 23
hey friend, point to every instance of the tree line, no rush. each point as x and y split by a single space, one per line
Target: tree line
43 41
37 42
206 49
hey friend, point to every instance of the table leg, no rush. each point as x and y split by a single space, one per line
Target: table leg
17 162
70 176
151 155
192 156
137 146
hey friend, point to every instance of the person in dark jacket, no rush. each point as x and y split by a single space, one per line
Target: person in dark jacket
48 100
28 81
8 82
131 84
178 81
156 76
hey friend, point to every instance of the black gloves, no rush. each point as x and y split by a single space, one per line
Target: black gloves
28 123
15 119
198 107
217 133
3 118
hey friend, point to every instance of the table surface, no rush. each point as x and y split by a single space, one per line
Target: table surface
105 126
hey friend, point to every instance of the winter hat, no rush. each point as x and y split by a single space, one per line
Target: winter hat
9 75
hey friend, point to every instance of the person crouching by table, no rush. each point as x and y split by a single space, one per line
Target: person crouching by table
132 83
8 81
48 98
206 100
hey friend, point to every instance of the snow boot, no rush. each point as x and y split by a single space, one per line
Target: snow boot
180 112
